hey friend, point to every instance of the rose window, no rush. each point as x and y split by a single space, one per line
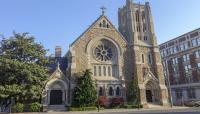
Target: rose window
103 52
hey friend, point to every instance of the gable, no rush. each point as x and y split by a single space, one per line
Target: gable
101 23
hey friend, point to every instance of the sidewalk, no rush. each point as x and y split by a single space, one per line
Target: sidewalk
108 110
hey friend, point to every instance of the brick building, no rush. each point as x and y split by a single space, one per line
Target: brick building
181 61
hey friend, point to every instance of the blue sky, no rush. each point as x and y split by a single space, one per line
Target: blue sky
60 22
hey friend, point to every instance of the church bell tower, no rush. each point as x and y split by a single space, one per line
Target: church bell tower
136 25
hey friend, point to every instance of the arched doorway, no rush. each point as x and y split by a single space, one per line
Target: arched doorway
56 97
152 92
149 96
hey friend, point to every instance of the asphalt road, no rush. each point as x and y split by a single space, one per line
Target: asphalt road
143 111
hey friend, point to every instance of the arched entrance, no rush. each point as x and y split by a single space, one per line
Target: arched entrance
152 92
149 96
56 97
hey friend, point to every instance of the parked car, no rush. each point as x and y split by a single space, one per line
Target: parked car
192 103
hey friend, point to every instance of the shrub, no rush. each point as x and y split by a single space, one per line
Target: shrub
83 108
35 107
18 107
103 101
131 106
117 101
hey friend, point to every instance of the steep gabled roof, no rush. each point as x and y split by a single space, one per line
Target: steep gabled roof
95 23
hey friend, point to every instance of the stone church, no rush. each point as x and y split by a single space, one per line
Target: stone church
115 57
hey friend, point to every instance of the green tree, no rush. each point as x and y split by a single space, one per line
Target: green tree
23 68
133 92
85 93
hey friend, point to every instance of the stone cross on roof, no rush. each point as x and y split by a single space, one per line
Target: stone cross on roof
103 8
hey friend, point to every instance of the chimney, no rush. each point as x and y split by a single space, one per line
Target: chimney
58 51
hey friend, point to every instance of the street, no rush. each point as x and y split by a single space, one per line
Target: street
133 111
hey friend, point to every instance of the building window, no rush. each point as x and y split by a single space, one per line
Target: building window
191 93
110 91
104 70
187 68
198 66
185 46
150 59
139 37
100 91
95 70
181 46
99 70
109 71
186 57
198 41
175 70
142 58
179 94
100 25
118 91
104 23
175 61
175 49
194 42
145 38
197 54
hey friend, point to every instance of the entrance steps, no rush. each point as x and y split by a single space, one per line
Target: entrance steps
155 106
56 108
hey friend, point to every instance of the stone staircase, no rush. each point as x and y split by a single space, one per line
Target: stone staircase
57 108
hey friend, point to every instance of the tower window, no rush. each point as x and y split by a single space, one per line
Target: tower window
149 59
142 58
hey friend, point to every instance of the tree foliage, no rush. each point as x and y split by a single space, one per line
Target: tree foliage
23 67
85 93
133 93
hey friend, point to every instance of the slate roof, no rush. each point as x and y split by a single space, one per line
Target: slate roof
54 63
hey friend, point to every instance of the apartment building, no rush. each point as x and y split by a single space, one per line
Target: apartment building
181 62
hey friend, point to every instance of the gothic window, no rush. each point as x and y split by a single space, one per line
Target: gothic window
118 91
110 91
104 70
103 52
100 91
109 71
108 26
100 25
142 58
149 59
104 23
95 70
99 70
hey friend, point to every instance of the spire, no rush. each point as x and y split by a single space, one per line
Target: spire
103 8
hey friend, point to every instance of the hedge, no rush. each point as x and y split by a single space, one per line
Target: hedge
18 107
82 108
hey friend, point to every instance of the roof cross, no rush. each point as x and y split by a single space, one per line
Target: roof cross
103 10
